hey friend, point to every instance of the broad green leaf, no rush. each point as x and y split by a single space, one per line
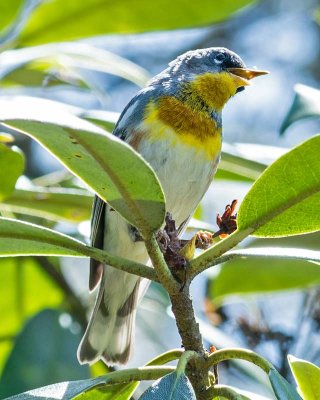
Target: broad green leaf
109 166
282 388
9 10
171 387
65 19
20 279
307 377
306 104
43 353
11 167
121 391
54 203
105 119
285 199
59 391
20 238
265 273
71 59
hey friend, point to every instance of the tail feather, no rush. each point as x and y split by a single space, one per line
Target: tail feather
109 334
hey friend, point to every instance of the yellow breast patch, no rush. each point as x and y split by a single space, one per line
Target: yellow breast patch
170 118
216 88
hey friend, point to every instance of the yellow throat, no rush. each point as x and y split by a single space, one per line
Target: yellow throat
191 118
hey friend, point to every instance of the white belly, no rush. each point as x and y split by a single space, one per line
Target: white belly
184 172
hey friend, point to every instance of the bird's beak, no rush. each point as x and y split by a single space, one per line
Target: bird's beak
246 73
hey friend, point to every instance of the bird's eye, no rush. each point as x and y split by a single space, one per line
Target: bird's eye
219 58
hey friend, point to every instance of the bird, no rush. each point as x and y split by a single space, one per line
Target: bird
175 123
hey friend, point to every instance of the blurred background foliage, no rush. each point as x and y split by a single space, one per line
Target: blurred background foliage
272 307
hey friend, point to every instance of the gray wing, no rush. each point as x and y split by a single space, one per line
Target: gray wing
131 115
97 239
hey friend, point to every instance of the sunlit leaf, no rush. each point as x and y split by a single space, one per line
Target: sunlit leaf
282 388
65 20
70 59
306 104
284 200
265 272
11 167
20 238
55 203
109 166
307 377
43 353
171 387
21 278
9 10
121 391
59 391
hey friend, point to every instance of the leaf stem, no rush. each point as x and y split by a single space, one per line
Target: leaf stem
164 358
223 391
149 373
238 353
209 257
183 361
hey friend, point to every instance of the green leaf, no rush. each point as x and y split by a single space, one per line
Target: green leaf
284 200
20 238
121 391
306 104
9 10
171 387
282 388
59 391
109 166
70 59
307 376
55 203
265 273
20 279
11 167
65 20
44 352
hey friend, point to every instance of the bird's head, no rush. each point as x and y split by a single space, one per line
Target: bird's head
213 75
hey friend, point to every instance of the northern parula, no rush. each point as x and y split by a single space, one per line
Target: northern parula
175 124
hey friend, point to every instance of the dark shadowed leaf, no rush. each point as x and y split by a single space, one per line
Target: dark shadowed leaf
60 20
171 387
55 203
307 377
306 104
11 167
43 353
282 388
285 199
109 166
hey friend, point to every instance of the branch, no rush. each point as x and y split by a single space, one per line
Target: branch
161 268
122 264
